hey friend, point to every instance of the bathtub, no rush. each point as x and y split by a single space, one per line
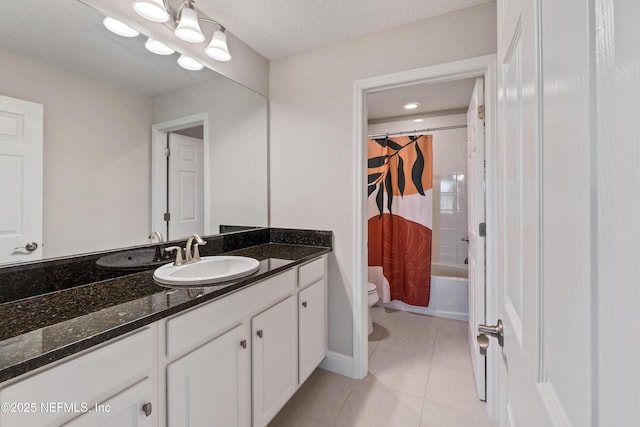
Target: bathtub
449 294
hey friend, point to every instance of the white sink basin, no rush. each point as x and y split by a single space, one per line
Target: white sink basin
208 270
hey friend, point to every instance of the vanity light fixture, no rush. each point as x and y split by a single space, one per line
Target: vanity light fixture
119 28
153 10
157 47
411 106
188 28
184 23
189 63
218 49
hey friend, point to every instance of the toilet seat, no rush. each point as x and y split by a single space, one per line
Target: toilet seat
371 288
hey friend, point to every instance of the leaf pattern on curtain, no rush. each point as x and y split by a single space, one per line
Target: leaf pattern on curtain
400 212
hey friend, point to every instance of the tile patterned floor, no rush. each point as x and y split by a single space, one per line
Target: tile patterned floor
420 375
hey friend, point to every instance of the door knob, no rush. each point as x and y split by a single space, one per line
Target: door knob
147 408
31 246
496 331
259 333
483 343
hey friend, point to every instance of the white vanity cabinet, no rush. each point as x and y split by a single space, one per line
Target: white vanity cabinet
211 386
234 361
114 384
312 328
129 408
275 373
312 316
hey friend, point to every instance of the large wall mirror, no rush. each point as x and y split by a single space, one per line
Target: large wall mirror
110 109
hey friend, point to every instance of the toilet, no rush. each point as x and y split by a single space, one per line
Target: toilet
372 299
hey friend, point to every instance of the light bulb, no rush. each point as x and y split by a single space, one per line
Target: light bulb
153 10
218 49
188 28
189 63
157 47
119 28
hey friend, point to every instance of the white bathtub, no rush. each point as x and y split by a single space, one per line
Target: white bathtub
449 294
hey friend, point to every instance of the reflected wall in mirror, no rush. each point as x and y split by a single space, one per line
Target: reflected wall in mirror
105 99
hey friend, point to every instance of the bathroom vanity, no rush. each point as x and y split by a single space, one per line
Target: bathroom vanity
235 352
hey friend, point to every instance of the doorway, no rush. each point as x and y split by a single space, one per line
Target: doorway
180 196
483 67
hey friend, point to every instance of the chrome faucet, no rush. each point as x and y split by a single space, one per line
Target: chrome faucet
191 252
160 253
193 255
178 250
156 235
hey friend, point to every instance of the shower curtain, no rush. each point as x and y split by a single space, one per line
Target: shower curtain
400 215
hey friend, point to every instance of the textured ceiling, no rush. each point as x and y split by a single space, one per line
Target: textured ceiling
279 28
431 96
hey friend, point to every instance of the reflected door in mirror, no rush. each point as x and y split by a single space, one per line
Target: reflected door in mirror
21 176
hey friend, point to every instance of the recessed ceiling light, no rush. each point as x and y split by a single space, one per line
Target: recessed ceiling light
189 63
411 106
119 28
157 47
418 120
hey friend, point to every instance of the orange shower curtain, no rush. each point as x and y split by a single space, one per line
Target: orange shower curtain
400 214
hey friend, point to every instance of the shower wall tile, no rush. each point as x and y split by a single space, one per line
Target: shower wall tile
449 183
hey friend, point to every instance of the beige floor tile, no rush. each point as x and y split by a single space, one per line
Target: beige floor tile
324 383
297 419
399 372
452 383
378 331
435 414
407 338
373 405
321 397
450 346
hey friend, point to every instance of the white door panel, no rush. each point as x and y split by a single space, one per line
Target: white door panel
186 200
543 211
475 208
21 128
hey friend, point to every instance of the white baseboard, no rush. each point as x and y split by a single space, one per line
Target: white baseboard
338 363
399 305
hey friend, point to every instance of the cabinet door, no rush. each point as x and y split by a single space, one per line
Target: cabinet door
275 366
130 408
312 332
211 386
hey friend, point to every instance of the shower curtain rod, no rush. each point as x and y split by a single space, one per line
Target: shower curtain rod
417 131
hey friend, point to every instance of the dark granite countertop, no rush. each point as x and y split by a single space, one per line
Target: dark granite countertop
39 330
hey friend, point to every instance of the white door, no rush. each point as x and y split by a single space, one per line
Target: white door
275 361
186 181
21 130
475 201
211 386
543 235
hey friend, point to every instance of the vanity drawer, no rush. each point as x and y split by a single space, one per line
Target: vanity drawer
79 383
311 272
193 328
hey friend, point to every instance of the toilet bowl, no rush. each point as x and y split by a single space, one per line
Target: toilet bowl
372 299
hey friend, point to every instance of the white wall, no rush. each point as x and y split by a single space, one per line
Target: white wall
96 157
311 146
238 147
449 183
